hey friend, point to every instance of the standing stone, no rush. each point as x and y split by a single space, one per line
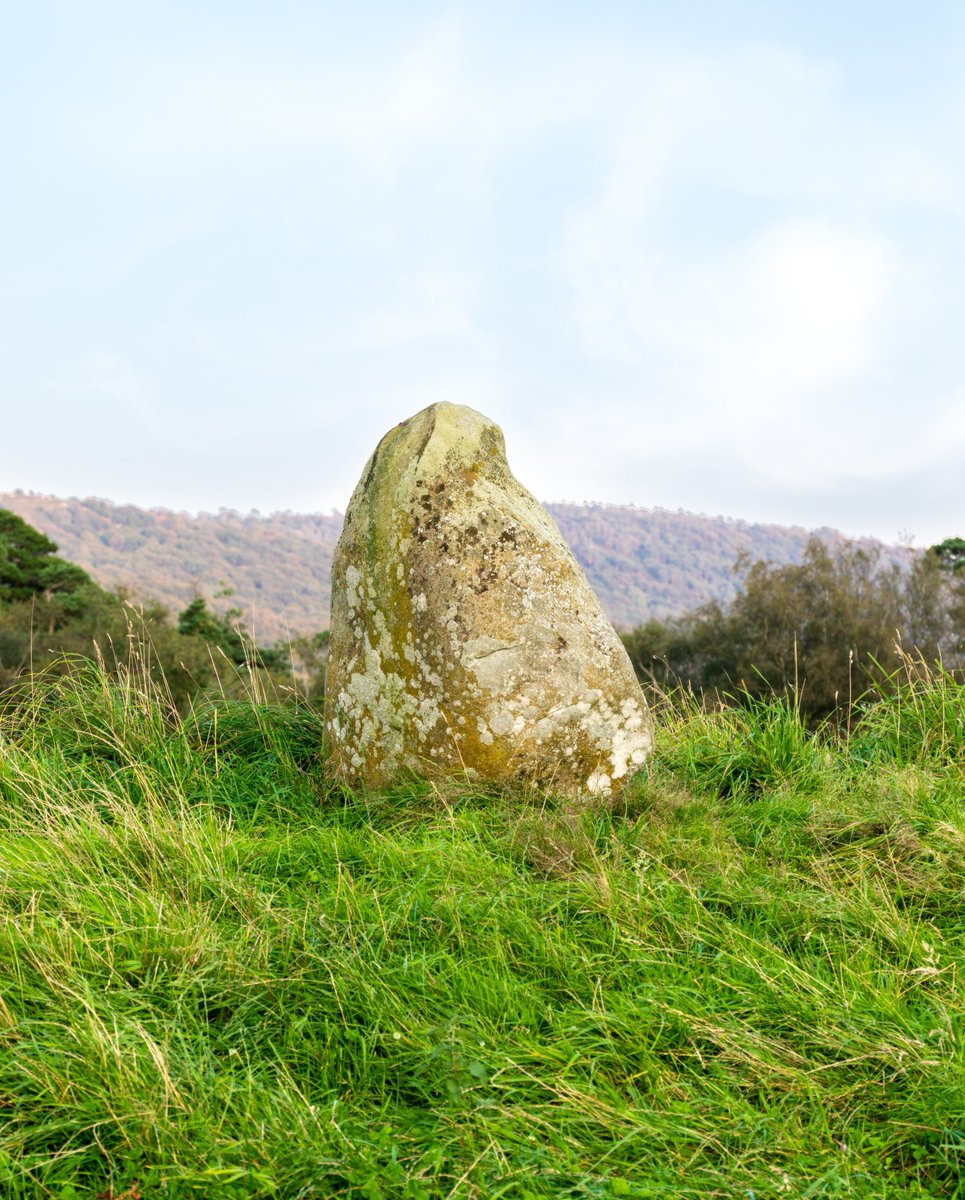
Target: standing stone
464 635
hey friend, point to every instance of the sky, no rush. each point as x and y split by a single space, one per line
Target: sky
706 256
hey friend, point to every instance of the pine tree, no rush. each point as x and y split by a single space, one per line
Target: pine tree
31 570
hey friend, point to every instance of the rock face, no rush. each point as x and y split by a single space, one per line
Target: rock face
464 635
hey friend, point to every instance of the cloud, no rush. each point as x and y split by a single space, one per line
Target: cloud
743 273
789 317
200 112
186 112
103 375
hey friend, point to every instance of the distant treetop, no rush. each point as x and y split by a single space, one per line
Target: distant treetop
951 553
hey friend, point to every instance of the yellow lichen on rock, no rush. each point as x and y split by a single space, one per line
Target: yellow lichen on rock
464 635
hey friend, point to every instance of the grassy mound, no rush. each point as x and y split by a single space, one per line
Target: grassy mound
222 977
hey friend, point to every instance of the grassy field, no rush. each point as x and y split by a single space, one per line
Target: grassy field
221 976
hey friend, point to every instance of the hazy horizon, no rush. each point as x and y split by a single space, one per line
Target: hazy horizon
267 514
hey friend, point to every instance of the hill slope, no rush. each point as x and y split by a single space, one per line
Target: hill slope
642 562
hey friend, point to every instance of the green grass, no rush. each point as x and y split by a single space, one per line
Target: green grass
221 976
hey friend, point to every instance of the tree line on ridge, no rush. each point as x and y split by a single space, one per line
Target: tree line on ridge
836 627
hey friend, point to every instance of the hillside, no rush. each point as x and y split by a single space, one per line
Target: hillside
649 562
642 562
278 566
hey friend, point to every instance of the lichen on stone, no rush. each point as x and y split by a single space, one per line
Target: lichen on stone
464 635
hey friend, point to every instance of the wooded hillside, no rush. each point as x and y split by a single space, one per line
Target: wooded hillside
643 563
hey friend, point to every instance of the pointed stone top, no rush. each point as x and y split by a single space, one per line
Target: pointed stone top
441 438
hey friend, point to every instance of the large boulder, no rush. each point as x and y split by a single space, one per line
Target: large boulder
464 635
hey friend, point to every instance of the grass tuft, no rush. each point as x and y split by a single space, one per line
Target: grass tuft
923 722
